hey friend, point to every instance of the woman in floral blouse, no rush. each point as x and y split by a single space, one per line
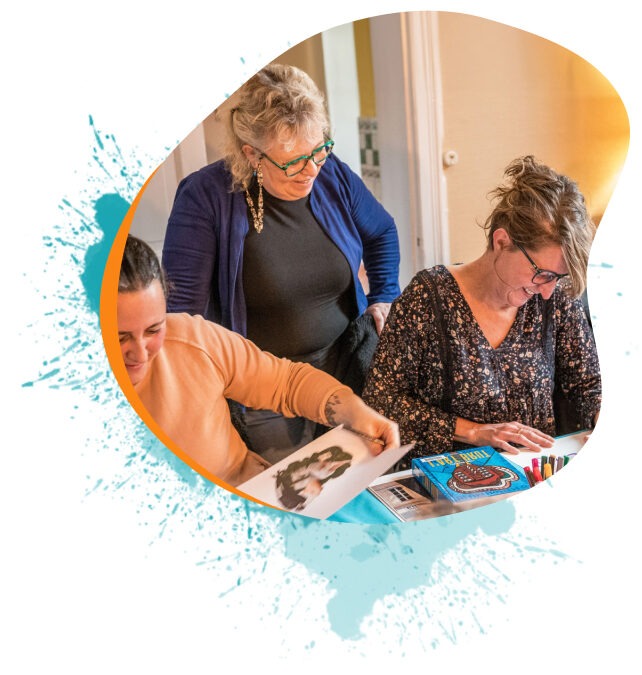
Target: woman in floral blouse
472 354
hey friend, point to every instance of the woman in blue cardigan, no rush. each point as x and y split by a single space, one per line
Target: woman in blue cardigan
269 241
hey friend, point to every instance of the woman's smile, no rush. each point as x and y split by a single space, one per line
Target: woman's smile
141 328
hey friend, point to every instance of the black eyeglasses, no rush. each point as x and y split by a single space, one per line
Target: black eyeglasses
541 276
295 166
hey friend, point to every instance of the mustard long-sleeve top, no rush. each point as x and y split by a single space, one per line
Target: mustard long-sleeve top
199 366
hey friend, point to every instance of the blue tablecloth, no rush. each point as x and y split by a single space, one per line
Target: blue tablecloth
364 508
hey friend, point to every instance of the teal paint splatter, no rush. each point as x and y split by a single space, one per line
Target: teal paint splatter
110 210
365 563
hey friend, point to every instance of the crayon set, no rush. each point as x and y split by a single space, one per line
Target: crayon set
545 466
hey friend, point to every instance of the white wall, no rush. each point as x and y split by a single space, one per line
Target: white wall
150 220
342 85
385 35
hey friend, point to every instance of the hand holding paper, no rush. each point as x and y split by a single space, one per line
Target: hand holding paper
321 477
347 409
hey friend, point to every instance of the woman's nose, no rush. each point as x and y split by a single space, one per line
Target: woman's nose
138 351
546 290
311 169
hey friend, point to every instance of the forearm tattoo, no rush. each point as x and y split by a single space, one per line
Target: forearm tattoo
330 409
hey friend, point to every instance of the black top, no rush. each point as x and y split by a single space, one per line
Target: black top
297 283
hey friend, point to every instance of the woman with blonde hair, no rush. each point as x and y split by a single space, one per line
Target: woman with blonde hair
269 240
475 354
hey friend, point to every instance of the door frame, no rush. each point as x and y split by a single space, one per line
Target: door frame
406 62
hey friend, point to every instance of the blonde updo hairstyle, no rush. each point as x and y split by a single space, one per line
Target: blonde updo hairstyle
280 103
539 207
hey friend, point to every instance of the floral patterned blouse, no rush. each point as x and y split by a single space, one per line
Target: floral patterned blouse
434 364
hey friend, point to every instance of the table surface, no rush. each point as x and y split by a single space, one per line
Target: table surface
365 508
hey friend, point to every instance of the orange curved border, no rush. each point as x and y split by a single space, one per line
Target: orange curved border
109 331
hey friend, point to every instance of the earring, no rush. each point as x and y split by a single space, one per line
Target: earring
257 215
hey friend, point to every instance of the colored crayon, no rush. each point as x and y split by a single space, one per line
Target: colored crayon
548 472
537 474
560 463
529 475
551 461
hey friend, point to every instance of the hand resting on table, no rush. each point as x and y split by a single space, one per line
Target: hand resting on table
510 437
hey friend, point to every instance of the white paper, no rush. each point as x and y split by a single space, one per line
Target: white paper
323 475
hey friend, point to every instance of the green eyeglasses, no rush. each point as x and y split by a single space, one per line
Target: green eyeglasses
541 276
295 166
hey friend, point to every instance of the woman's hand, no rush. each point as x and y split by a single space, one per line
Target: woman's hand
345 407
379 312
502 435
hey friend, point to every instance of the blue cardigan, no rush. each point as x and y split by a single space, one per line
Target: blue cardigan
203 248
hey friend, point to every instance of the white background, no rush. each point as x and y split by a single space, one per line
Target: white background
82 588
